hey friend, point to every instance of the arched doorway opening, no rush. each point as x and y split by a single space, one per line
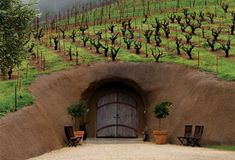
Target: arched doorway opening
117 109
117 115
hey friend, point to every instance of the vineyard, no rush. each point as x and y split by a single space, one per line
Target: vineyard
198 34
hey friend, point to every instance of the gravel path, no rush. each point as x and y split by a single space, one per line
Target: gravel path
140 151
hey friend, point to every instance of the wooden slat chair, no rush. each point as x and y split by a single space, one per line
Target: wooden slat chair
186 139
197 136
72 140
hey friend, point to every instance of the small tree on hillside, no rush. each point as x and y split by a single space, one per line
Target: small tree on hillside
123 30
131 31
70 54
97 45
73 35
189 50
193 27
232 28
128 42
99 35
183 27
39 34
178 19
193 15
188 38
31 47
179 44
138 46
83 29
186 12
129 23
167 31
111 28
202 16
85 39
226 48
211 16
216 33
233 15
106 49
188 21
172 17
62 30
158 55
148 34
211 43
113 38
157 26
145 19
56 42
158 40
124 24
225 7
114 53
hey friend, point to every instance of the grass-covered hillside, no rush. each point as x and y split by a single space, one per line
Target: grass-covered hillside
195 33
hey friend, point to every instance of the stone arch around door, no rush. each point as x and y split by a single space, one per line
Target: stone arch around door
117 109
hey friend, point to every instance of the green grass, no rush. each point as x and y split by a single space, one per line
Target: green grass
24 98
222 147
55 62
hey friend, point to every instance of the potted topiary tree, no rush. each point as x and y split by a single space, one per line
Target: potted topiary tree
161 111
77 111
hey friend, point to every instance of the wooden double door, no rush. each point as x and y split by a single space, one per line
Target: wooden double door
117 116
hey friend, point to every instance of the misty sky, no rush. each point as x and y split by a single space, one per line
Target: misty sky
56 5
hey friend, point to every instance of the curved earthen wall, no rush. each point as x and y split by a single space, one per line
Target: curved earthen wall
198 98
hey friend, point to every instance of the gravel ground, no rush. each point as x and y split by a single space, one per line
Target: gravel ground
140 151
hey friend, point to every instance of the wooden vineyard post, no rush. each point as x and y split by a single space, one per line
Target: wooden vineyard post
76 56
15 98
198 59
19 81
27 70
178 4
59 46
135 23
109 12
50 42
168 45
133 10
105 29
146 50
217 64
44 63
64 47
90 43
37 58
41 61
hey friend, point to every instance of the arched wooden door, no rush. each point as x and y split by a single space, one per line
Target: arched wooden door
116 116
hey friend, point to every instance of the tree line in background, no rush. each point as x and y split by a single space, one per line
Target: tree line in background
15 27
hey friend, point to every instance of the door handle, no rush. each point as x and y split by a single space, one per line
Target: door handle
117 116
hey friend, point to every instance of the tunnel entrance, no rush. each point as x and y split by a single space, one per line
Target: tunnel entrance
117 109
117 115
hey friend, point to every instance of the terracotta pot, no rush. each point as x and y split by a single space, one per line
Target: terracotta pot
79 134
160 137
